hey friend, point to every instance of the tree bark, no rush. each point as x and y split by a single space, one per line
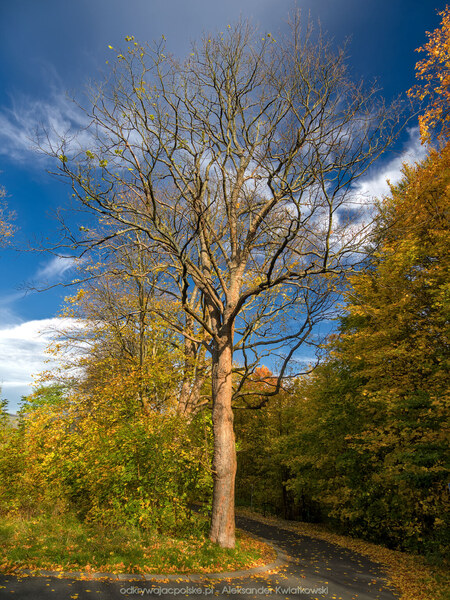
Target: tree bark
224 459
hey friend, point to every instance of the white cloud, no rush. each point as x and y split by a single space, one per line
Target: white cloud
361 198
22 355
375 184
56 267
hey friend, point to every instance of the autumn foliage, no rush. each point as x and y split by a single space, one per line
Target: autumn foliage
434 73
104 460
126 436
362 442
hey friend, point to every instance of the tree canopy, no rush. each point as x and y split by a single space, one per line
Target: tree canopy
434 73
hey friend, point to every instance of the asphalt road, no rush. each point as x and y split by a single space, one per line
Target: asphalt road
313 570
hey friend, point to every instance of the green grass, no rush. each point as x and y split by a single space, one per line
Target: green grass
64 543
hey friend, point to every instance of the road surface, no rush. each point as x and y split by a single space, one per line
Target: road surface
311 569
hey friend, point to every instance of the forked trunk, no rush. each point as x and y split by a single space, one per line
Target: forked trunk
224 458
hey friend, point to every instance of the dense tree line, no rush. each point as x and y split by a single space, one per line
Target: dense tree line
362 442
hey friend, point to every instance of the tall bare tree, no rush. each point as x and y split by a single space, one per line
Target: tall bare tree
237 166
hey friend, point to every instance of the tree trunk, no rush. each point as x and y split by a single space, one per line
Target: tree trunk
224 459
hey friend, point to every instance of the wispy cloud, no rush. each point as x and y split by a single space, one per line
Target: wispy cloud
28 120
56 268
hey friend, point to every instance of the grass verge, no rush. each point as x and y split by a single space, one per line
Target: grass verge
63 543
411 575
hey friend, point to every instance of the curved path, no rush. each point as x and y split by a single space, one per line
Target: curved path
314 563
309 569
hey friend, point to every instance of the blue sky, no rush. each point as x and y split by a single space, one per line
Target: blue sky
52 48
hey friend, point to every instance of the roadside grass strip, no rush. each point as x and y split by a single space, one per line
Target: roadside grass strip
63 543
